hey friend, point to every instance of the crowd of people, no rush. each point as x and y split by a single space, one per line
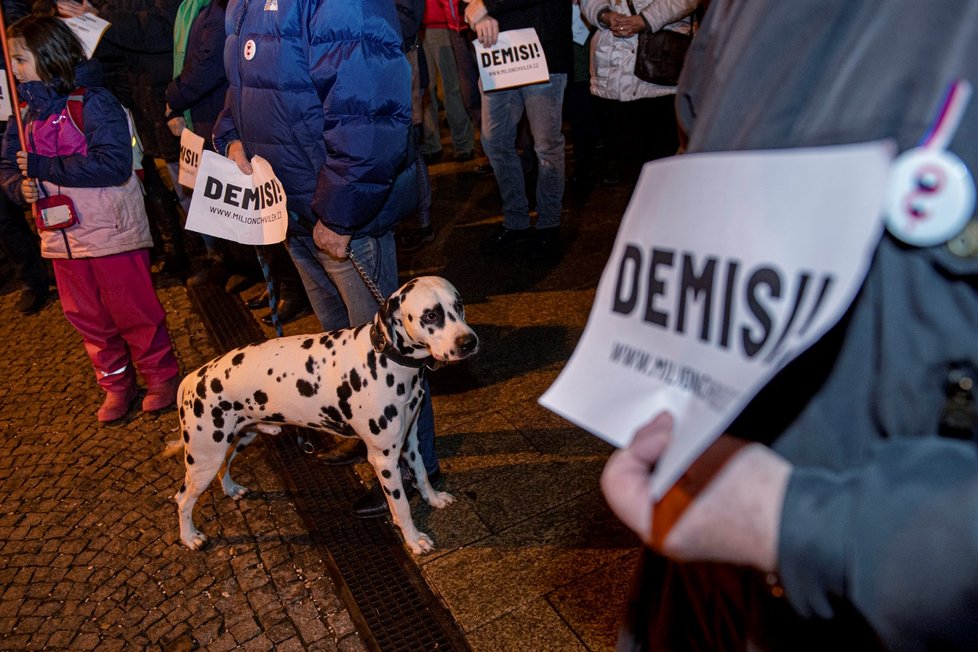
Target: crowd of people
839 510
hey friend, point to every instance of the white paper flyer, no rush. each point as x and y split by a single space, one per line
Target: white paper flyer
726 266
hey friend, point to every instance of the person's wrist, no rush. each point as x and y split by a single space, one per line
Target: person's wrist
603 16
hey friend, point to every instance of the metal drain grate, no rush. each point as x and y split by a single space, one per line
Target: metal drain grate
388 599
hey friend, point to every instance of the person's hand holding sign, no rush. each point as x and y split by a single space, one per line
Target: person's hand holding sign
485 26
237 154
72 9
726 507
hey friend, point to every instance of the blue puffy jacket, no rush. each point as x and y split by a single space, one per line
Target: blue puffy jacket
322 91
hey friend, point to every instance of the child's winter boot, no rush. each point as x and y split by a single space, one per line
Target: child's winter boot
161 396
116 405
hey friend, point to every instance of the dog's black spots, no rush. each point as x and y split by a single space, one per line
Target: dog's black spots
310 365
198 408
328 343
394 303
270 372
182 413
200 428
260 397
227 373
387 491
217 412
230 437
238 420
190 458
401 389
237 405
431 330
344 392
396 494
238 359
374 428
414 381
387 452
277 417
390 412
411 318
372 363
414 402
359 329
219 421
355 380
307 344
383 362
451 317
386 473
201 389
201 371
218 435
225 405
390 380
382 422
305 387
323 339
216 386
183 488
186 437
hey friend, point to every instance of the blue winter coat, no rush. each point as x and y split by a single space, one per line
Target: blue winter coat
322 90
202 85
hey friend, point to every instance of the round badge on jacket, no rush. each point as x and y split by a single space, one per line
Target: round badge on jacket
249 49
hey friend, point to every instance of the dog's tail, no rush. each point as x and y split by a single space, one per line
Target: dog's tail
172 448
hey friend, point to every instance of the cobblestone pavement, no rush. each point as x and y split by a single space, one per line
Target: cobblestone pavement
89 553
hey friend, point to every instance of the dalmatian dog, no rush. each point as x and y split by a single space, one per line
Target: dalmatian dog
357 382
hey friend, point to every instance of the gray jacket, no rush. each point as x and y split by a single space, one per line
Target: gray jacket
880 524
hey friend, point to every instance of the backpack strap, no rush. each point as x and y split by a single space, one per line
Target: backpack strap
76 106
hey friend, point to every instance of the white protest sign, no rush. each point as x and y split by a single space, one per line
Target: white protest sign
726 266
229 204
517 59
89 29
191 150
5 106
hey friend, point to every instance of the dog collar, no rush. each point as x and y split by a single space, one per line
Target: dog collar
384 347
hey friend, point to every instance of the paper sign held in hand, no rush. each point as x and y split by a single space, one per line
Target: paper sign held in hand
89 29
516 59
250 209
725 268
191 152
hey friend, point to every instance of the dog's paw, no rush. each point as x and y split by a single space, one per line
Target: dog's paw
234 490
441 499
194 539
422 544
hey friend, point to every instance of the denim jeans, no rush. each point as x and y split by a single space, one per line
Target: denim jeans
501 113
338 295
340 298
441 62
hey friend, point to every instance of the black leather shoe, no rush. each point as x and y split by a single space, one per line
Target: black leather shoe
347 451
32 300
545 243
289 309
259 302
505 239
414 239
373 503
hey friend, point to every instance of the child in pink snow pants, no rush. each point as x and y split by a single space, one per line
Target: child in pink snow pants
79 151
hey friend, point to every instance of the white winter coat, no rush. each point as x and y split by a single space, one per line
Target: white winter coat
613 58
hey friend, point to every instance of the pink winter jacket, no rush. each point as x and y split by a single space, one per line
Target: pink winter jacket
111 219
